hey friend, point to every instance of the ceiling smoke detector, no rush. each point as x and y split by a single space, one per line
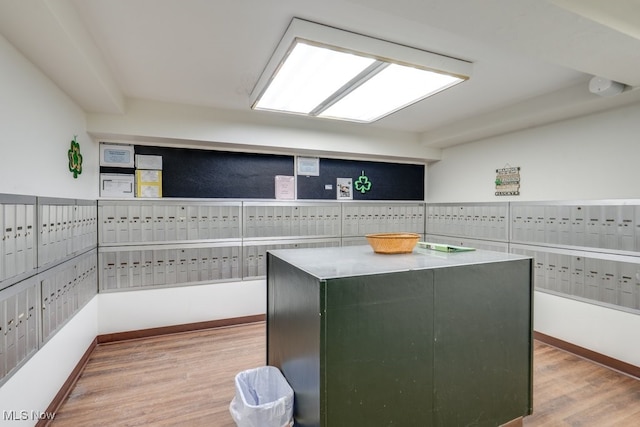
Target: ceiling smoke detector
605 87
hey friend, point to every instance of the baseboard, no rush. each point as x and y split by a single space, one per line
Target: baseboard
601 359
64 391
174 329
68 384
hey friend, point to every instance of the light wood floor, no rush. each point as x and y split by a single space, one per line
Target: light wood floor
188 380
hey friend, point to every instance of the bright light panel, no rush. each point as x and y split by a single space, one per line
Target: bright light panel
393 88
313 80
310 75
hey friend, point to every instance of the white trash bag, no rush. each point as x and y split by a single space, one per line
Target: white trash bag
263 399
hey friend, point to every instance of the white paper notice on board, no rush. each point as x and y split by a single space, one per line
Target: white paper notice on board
116 185
148 162
285 187
344 189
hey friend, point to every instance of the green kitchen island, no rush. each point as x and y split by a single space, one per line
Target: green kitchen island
420 339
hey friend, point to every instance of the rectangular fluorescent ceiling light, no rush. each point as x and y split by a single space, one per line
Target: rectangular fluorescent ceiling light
324 72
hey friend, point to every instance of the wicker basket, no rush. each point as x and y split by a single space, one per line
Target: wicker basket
393 243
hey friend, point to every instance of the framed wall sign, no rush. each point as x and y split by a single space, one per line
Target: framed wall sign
117 155
308 166
508 181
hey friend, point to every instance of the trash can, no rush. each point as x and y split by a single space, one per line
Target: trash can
263 399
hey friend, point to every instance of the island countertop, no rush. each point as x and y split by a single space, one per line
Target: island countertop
349 261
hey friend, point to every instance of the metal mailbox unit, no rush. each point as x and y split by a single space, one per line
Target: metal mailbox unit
611 226
158 243
19 318
18 242
47 273
19 291
255 252
587 250
361 218
156 266
276 225
607 279
291 219
481 221
415 339
66 227
161 243
319 224
65 289
135 222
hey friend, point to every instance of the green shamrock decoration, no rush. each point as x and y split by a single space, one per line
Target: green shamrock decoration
75 158
363 184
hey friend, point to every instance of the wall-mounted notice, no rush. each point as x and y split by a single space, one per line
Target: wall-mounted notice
285 187
148 162
116 185
116 155
508 181
344 188
308 166
148 183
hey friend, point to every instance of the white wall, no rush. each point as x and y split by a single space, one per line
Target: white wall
593 157
37 124
151 308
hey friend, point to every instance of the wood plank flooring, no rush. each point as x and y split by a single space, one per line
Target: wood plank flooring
173 380
571 391
188 380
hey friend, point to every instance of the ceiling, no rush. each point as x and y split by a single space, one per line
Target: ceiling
532 59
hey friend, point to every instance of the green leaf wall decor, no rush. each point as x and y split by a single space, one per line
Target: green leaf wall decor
363 184
75 158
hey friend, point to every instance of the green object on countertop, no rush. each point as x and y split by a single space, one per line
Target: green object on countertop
441 247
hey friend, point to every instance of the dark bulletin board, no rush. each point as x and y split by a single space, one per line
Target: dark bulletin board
193 173
389 181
